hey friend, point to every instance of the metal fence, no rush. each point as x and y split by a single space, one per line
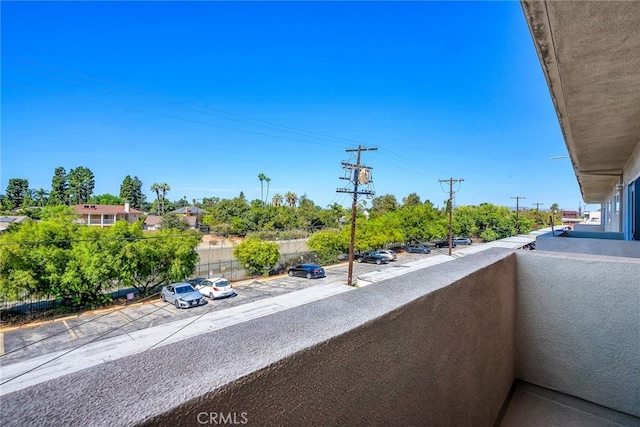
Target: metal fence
30 307
234 270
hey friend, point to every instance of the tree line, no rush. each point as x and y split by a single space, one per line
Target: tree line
57 257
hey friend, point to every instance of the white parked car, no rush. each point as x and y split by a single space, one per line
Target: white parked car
216 287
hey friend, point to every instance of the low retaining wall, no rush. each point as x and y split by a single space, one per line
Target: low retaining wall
586 242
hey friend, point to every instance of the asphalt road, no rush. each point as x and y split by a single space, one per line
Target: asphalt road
20 343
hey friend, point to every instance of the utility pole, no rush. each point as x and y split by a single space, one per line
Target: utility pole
518 213
358 174
451 192
538 204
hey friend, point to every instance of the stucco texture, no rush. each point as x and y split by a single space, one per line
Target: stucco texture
432 347
442 358
578 326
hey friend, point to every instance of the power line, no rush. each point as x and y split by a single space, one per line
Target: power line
357 174
203 109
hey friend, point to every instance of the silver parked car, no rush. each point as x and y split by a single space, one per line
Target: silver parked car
461 240
391 255
182 295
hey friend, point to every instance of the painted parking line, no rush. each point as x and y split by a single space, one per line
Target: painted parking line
1 343
119 313
73 334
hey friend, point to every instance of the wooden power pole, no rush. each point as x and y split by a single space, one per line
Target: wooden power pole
358 174
451 192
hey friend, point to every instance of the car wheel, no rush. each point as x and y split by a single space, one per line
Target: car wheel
359 260
177 304
211 295
378 262
290 273
164 298
308 275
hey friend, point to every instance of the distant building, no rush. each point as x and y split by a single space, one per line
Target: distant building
593 217
193 215
570 214
152 222
7 220
106 215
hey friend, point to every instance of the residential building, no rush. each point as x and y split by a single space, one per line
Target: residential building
7 220
153 222
106 215
192 214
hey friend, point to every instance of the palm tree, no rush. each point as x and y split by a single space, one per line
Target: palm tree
266 178
164 187
41 197
261 177
277 199
156 187
292 198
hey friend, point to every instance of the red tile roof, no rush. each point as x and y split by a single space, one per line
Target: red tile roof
104 209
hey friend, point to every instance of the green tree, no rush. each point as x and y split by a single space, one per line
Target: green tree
291 198
17 192
164 188
81 184
131 190
488 235
169 256
328 244
411 200
156 188
422 222
40 197
35 255
59 187
268 180
383 204
262 177
174 222
277 199
105 199
256 256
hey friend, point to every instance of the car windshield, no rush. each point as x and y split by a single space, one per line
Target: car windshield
184 289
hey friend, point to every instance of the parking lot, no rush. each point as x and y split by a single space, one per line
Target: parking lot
19 343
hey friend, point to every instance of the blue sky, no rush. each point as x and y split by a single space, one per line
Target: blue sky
207 95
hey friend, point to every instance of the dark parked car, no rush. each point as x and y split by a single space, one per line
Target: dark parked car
445 244
196 281
373 257
417 249
310 271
